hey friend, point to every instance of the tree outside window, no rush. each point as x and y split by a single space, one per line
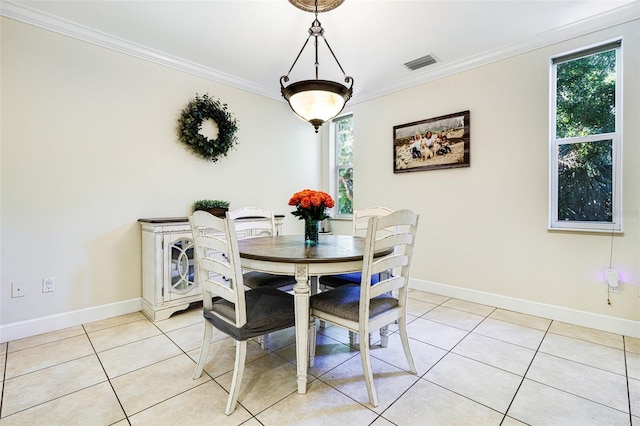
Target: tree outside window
585 177
343 133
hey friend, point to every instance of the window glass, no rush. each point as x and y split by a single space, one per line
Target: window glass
585 181
586 145
345 191
343 139
585 100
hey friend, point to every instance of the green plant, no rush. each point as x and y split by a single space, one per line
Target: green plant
210 204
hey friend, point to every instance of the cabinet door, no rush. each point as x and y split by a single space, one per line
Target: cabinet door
180 269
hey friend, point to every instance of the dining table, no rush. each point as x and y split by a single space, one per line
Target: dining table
289 255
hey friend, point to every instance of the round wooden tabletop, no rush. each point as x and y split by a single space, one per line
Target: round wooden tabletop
292 249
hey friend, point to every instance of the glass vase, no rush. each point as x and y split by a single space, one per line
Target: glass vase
311 228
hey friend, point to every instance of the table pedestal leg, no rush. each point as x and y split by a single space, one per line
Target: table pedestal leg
301 300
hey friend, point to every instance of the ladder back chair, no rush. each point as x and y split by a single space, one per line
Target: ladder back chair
227 305
368 306
256 222
359 229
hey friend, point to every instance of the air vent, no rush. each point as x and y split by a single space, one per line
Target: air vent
421 62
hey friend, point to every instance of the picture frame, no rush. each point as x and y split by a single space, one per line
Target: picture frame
435 143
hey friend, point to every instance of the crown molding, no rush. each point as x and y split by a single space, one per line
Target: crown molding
621 15
49 22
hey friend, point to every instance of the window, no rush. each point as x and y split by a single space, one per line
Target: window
343 160
585 155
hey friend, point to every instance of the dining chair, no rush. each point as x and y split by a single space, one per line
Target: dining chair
227 305
359 229
368 306
256 222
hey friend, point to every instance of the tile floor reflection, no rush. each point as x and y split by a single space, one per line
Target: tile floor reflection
477 365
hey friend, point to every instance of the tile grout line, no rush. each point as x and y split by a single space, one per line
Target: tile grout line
547 332
4 376
504 415
319 378
421 377
379 415
464 396
162 332
626 373
538 351
203 370
450 351
272 352
525 373
577 395
587 365
57 397
126 417
167 399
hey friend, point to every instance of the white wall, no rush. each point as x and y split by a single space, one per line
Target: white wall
484 228
89 146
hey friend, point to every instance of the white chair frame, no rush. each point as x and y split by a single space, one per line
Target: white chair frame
359 229
257 222
220 276
404 223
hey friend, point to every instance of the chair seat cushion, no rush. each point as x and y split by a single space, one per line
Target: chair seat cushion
344 302
260 279
344 279
268 310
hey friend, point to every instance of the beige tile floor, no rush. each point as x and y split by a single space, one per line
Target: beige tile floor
477 365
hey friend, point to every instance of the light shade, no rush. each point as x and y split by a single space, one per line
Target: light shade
316 101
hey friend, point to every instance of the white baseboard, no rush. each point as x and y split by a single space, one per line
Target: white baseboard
21 329
558 313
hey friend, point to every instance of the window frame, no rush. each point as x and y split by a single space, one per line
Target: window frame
616 141
335 168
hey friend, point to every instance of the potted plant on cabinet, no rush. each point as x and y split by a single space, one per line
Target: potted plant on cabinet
215 207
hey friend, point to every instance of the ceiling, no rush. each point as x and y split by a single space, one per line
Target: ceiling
251 44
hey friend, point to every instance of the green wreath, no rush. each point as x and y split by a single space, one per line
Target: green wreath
190 124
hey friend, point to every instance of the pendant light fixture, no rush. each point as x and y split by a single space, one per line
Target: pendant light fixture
316 101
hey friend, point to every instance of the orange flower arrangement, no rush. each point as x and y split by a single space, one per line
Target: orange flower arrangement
311 205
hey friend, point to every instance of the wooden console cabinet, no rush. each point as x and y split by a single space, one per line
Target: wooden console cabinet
169 280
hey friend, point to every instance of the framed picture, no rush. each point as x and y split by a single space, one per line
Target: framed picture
434 143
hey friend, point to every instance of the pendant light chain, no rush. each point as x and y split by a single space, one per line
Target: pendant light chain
316 101
317 64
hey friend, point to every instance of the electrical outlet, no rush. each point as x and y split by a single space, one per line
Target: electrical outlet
613 280
48 285
17 289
